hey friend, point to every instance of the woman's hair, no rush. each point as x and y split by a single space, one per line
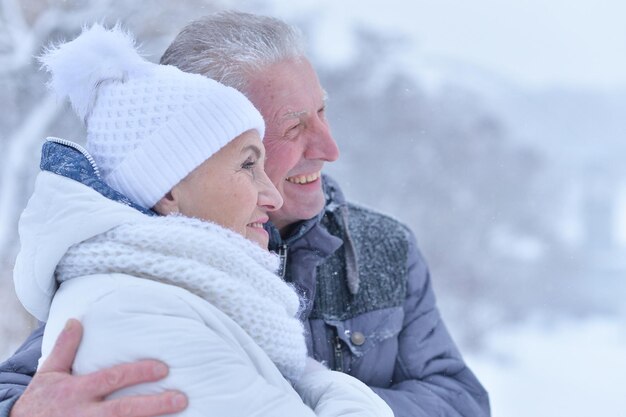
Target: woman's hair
229 46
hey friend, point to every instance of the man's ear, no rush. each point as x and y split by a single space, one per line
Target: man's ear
168 204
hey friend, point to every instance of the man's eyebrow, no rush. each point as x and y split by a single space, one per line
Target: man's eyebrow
298 114
294 114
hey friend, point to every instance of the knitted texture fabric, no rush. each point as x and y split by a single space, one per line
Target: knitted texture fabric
148 125
218 265
382 272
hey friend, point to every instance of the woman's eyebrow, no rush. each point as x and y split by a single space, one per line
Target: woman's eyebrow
255 149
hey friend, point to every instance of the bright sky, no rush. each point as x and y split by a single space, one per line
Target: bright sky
532 42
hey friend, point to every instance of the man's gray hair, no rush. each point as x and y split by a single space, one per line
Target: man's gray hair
230 46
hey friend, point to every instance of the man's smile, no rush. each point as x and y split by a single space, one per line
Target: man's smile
304 179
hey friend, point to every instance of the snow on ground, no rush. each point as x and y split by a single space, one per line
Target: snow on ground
566 369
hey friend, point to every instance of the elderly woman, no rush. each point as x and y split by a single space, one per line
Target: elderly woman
154 238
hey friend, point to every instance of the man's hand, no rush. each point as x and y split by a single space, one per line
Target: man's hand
55 392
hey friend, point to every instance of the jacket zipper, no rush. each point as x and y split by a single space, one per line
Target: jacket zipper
282 255
79 149
338 355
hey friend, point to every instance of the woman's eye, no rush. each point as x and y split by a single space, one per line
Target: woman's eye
249 164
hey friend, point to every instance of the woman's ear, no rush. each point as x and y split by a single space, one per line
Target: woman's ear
168 204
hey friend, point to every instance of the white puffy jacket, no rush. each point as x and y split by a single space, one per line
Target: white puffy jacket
125 318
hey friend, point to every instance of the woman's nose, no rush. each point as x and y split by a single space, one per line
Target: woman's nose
269 197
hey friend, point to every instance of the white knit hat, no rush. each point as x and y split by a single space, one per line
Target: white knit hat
148 125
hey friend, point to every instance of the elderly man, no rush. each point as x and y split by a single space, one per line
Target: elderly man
369 308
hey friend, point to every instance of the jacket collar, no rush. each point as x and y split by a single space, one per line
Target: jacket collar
71 160
334 199
313 234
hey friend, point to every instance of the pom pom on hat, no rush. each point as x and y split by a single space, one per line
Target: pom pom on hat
148 125
96 56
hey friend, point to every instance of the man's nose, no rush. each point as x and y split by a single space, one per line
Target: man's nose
321 144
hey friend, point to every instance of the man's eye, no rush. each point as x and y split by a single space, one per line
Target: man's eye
292 130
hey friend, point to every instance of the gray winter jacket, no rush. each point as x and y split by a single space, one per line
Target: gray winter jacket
367 296
371 310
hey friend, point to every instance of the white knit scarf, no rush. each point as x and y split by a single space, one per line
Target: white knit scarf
222 267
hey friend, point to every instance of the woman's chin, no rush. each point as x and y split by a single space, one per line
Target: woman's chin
258 235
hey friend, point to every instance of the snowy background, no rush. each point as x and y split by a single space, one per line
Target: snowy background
496 130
